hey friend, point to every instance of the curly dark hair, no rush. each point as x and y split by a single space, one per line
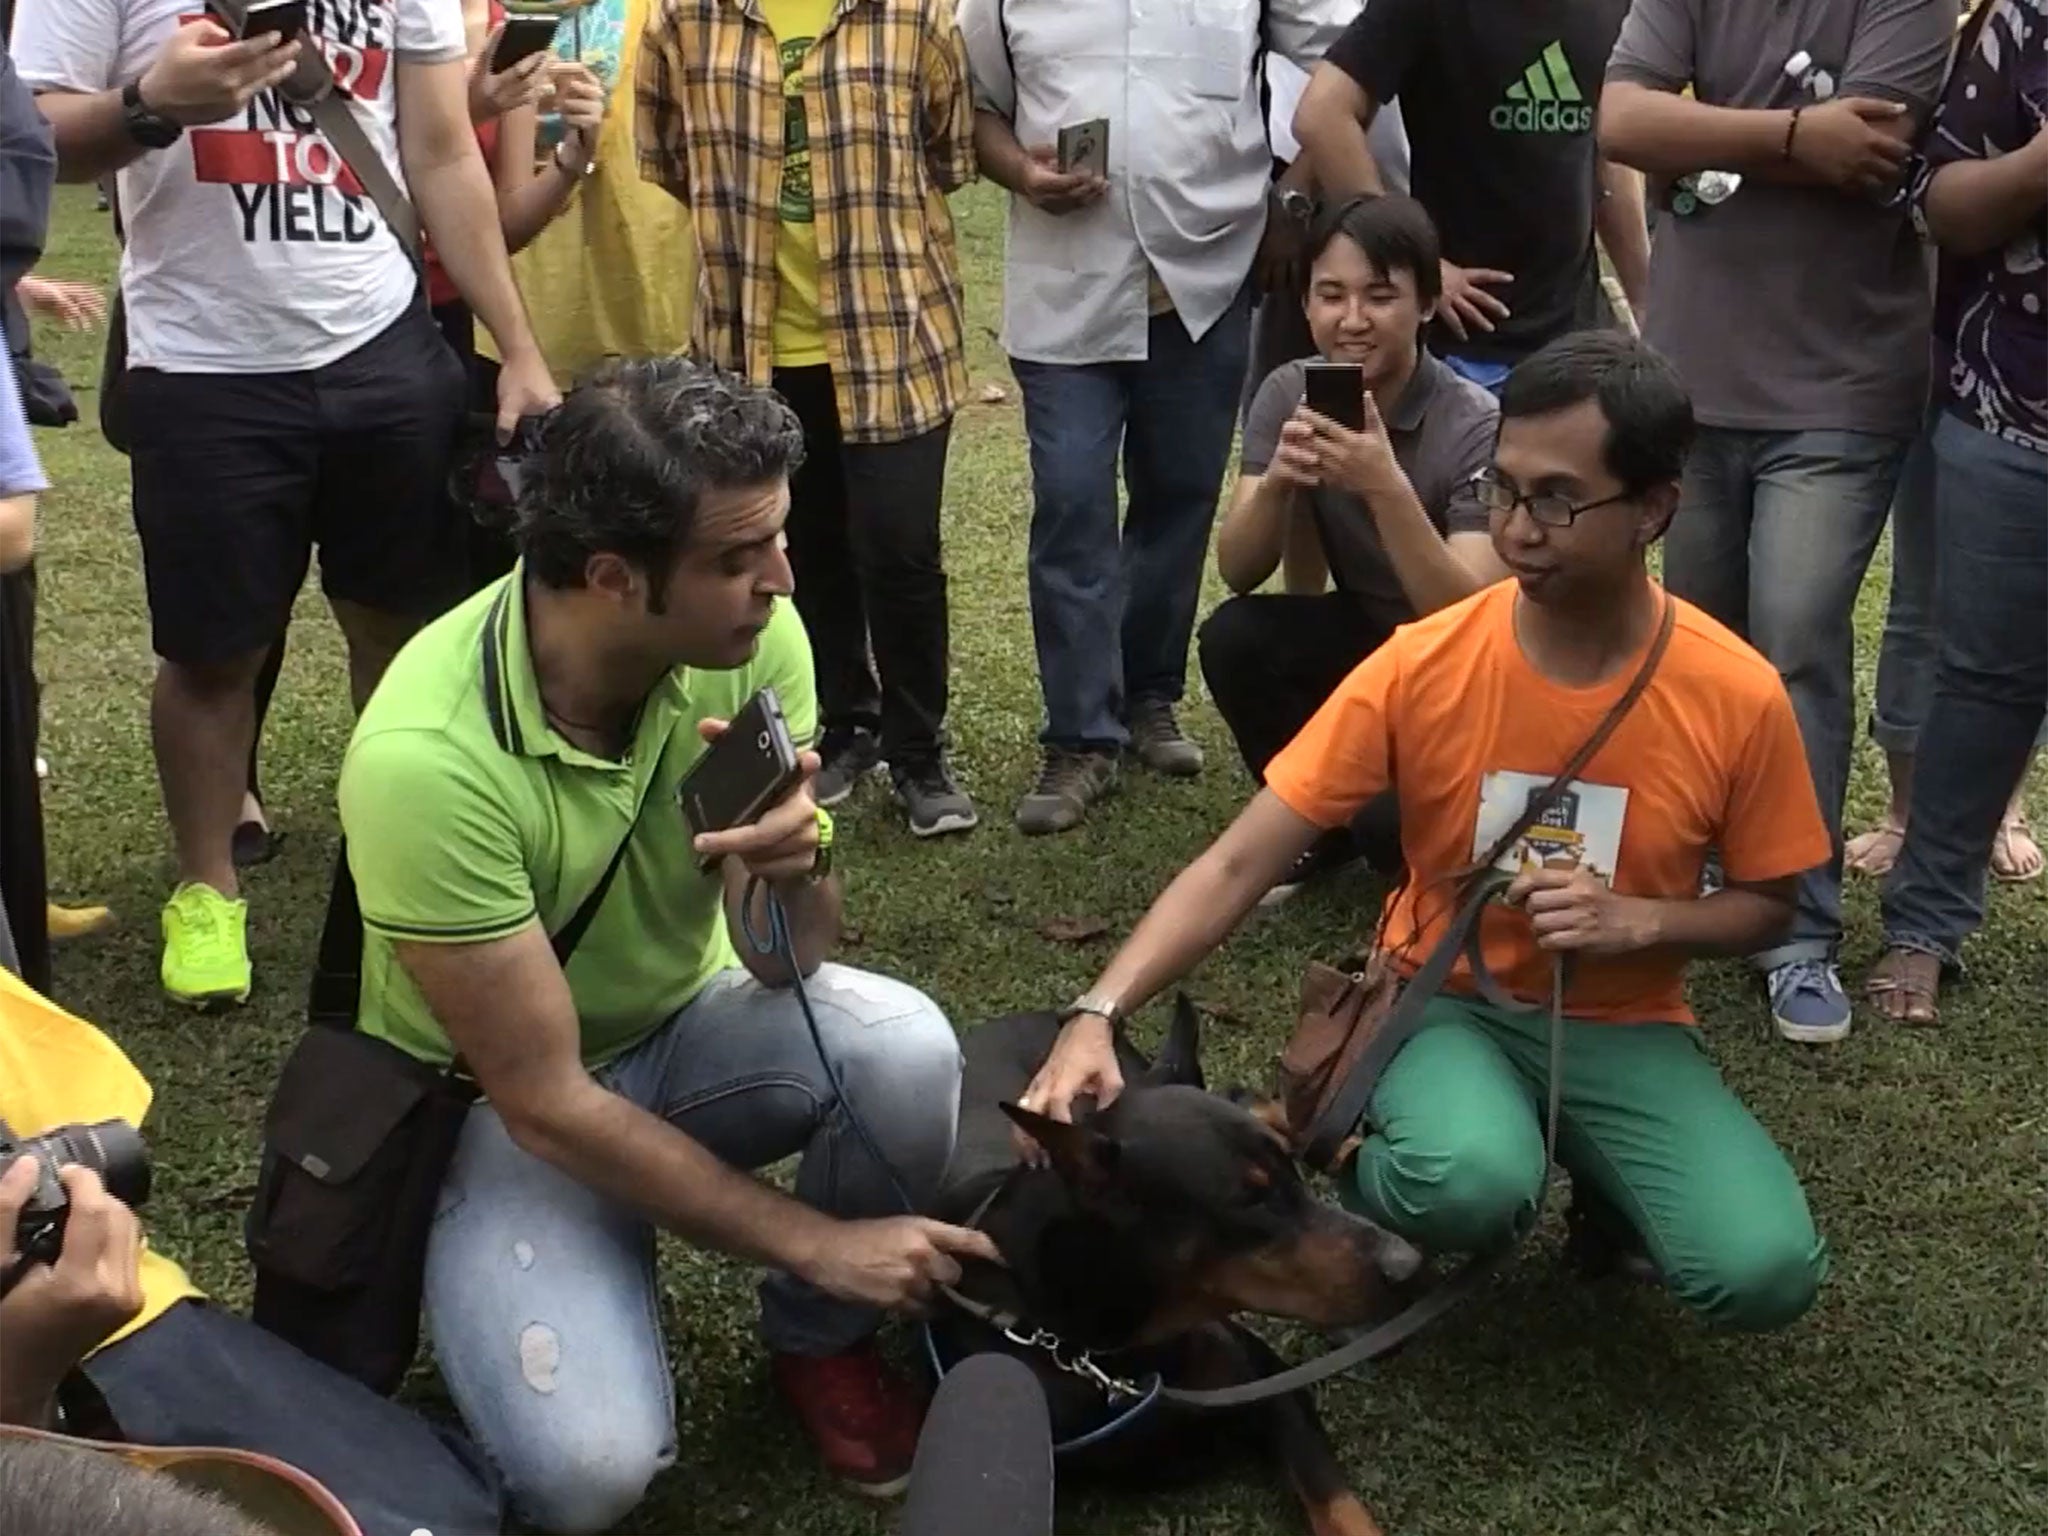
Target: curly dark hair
625 462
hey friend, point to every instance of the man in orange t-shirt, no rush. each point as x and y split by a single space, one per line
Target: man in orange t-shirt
1465 713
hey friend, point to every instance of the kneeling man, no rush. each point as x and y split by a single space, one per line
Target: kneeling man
1463 714
514 745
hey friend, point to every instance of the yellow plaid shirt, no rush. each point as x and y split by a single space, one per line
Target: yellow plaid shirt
891 119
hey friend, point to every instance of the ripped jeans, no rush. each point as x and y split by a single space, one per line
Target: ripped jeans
540 1293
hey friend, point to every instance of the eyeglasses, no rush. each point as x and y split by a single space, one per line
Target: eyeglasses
1549 508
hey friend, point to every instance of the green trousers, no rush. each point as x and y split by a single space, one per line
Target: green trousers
1455 1161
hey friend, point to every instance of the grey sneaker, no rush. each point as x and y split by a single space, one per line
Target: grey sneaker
1808 1004
1157 741
850 755
1069 783
935 803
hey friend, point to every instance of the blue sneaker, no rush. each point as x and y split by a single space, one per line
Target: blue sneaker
1808 1004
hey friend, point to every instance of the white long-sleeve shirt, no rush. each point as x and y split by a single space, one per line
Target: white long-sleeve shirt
1189 165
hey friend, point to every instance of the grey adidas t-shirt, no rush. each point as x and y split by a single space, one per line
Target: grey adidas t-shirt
1442 428
1792 308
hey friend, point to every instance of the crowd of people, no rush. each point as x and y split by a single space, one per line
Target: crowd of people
615 382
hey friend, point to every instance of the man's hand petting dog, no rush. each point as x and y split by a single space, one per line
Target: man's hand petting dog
894 1263
1574 910
1082 1065
782 845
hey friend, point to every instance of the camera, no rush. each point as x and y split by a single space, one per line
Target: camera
113 1149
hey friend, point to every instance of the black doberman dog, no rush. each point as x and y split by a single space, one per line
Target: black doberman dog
1158 1219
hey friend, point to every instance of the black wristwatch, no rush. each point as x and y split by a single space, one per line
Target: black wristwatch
152 130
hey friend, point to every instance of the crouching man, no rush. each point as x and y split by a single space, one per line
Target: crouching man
515 745
1465 712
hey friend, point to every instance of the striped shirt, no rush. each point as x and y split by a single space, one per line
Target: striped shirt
891 124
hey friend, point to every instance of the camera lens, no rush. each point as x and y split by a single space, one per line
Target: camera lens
113 1149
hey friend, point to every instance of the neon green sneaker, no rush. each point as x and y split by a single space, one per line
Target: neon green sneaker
206 947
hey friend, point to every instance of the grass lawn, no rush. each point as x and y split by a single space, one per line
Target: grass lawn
1914 1399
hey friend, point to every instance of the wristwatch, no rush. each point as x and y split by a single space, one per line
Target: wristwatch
152 130
1296 204
1098 1005
562 162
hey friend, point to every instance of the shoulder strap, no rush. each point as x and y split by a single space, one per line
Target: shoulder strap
312 87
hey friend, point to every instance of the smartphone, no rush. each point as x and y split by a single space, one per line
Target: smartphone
1337 390
749 768
1085 147
287 18
523 37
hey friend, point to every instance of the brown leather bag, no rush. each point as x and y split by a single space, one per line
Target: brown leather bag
1353 1019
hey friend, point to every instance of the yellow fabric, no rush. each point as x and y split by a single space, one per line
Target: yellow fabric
799 328
615 275
55 1070
890 117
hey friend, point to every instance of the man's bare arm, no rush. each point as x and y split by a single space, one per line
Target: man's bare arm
996 148
812 907
1330 123
1620 222
1254 532
200 76
506 1008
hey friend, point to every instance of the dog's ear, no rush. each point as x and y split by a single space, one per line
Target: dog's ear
1180 1058
1082 1155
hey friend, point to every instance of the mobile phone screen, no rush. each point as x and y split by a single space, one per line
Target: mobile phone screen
1337 390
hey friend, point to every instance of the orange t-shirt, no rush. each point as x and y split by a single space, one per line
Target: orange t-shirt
1451 713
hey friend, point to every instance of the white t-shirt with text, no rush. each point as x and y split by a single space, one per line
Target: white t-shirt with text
250 248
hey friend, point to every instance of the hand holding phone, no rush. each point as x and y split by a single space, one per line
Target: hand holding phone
1336 390
1084 148
1352 450
520 38
748 797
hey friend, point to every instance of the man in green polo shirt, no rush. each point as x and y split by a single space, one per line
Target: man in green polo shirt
509 750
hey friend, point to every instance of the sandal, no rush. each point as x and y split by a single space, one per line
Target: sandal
2015 856
1873 853
1905 987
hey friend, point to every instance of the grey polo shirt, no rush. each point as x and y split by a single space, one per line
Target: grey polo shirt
1442 428
1792 308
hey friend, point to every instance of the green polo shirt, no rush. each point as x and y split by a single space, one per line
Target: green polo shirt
468 817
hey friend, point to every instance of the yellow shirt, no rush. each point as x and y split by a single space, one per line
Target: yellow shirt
799 327
57 1070
615 275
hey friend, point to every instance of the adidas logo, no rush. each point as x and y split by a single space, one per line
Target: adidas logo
1545 100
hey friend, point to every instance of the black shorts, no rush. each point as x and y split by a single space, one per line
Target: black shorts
237 476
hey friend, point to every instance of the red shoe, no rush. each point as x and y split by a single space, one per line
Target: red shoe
862 1416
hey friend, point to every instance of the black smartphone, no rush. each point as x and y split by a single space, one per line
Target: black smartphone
287 18
1337 390
523 37
749 768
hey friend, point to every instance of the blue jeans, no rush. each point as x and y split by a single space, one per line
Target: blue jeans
540 1292
201 1376
1990 688
1113 614
1773 536
1906 662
